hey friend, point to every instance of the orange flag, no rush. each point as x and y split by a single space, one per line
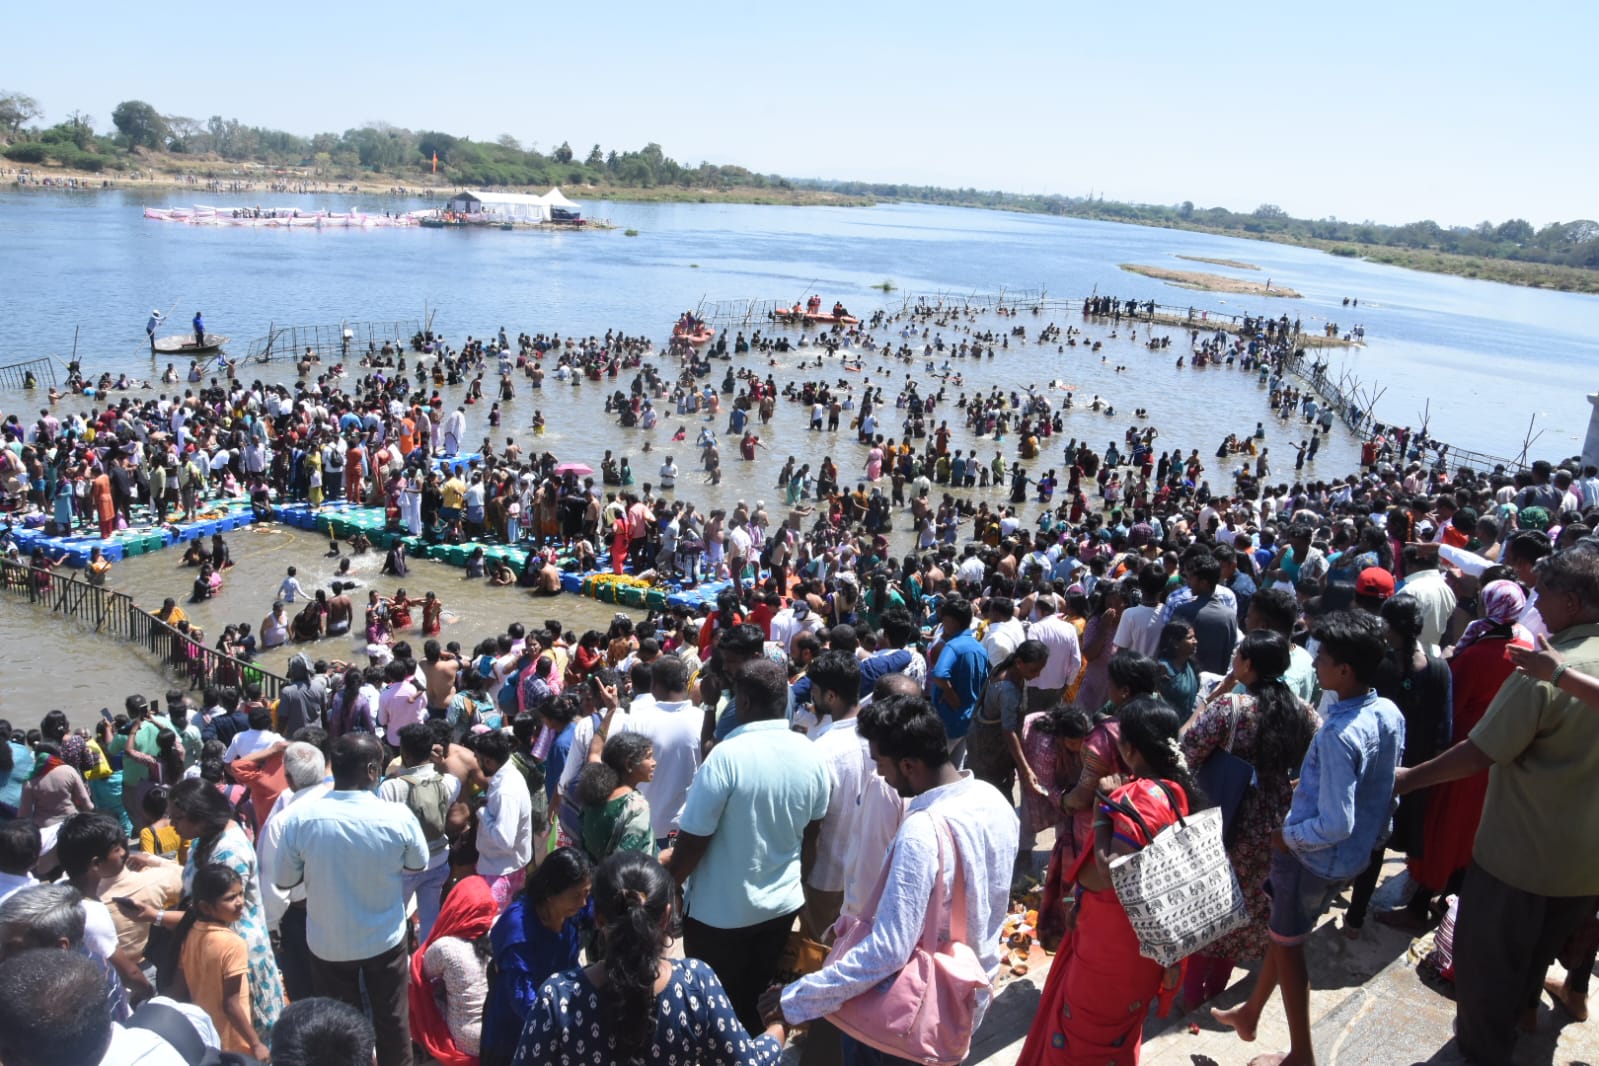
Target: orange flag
435 162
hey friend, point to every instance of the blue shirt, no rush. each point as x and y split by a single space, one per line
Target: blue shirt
350 849
964 664
753 796
1344 800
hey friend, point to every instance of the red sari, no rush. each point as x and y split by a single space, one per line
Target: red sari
1100 988
1456 807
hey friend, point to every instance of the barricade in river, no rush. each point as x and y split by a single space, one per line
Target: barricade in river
102 610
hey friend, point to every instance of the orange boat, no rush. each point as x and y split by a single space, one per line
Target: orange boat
703 335
826 318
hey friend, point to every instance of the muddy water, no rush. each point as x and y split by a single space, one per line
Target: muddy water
52 665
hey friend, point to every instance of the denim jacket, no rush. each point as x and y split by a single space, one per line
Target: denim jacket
1344 801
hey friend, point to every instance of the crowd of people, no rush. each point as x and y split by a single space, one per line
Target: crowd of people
547 847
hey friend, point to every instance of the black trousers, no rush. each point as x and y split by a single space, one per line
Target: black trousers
385 977
1505 940
294 957
745 960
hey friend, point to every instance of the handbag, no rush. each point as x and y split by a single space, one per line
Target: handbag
801 956
1226 779
1179 891
927 1011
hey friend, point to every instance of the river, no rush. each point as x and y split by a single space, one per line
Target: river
1486 356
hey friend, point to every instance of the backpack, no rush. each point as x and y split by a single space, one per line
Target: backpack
428 799
509 697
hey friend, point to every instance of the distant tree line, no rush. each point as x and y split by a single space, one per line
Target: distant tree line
138 128
1574 244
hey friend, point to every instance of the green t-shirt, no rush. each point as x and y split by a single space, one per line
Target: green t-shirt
1540 820
145 741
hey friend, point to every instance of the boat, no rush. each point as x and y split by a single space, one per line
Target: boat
184 344
703 335
823 318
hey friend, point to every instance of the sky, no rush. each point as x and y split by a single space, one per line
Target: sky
1382 111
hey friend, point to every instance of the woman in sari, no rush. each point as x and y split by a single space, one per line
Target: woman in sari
616 816
1478 667
1100 987
449 976
1268 727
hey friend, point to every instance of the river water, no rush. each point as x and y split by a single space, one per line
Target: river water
1487 356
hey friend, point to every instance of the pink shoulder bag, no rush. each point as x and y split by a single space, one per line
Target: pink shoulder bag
926 1012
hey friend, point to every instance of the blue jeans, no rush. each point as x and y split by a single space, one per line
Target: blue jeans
859 1054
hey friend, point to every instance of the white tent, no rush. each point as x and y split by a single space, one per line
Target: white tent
501 206
558 207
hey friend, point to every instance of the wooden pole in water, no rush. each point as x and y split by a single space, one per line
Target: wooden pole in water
75 343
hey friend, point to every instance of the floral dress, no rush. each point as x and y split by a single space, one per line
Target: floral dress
694 1022
1260 813
233 850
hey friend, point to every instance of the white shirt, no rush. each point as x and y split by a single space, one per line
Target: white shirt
274 899
673 727
970 571
852 828
1437 601
1065 658
582 736
1138 630
249 742
983 829
505 825
1002 640
99 931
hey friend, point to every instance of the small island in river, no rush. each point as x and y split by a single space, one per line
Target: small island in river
1191 279
1236 264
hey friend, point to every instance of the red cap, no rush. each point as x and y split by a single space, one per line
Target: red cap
1375 581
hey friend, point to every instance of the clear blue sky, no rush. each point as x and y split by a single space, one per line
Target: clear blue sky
1393 112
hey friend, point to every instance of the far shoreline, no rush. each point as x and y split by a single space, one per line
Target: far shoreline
1520 274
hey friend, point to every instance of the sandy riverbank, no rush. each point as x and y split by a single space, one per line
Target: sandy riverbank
1236 264
289 181
1193 279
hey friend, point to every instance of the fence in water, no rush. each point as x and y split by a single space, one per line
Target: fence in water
95 609
15 375
329 343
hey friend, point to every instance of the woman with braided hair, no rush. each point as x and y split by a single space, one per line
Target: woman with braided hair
638 1007
1268 727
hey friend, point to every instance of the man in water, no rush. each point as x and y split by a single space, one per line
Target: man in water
199 330
149 328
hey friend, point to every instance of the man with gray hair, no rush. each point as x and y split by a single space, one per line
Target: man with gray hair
52 916
306 769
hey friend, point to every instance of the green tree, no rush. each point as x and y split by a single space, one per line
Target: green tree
16 109
140 123
596 158
563 154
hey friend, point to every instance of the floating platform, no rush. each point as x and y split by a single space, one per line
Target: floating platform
343 520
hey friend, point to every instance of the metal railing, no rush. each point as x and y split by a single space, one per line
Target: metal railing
101 610
15 375
328 342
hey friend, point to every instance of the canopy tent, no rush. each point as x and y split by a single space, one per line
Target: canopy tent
559 208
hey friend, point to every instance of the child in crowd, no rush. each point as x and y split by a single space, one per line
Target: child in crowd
214 961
